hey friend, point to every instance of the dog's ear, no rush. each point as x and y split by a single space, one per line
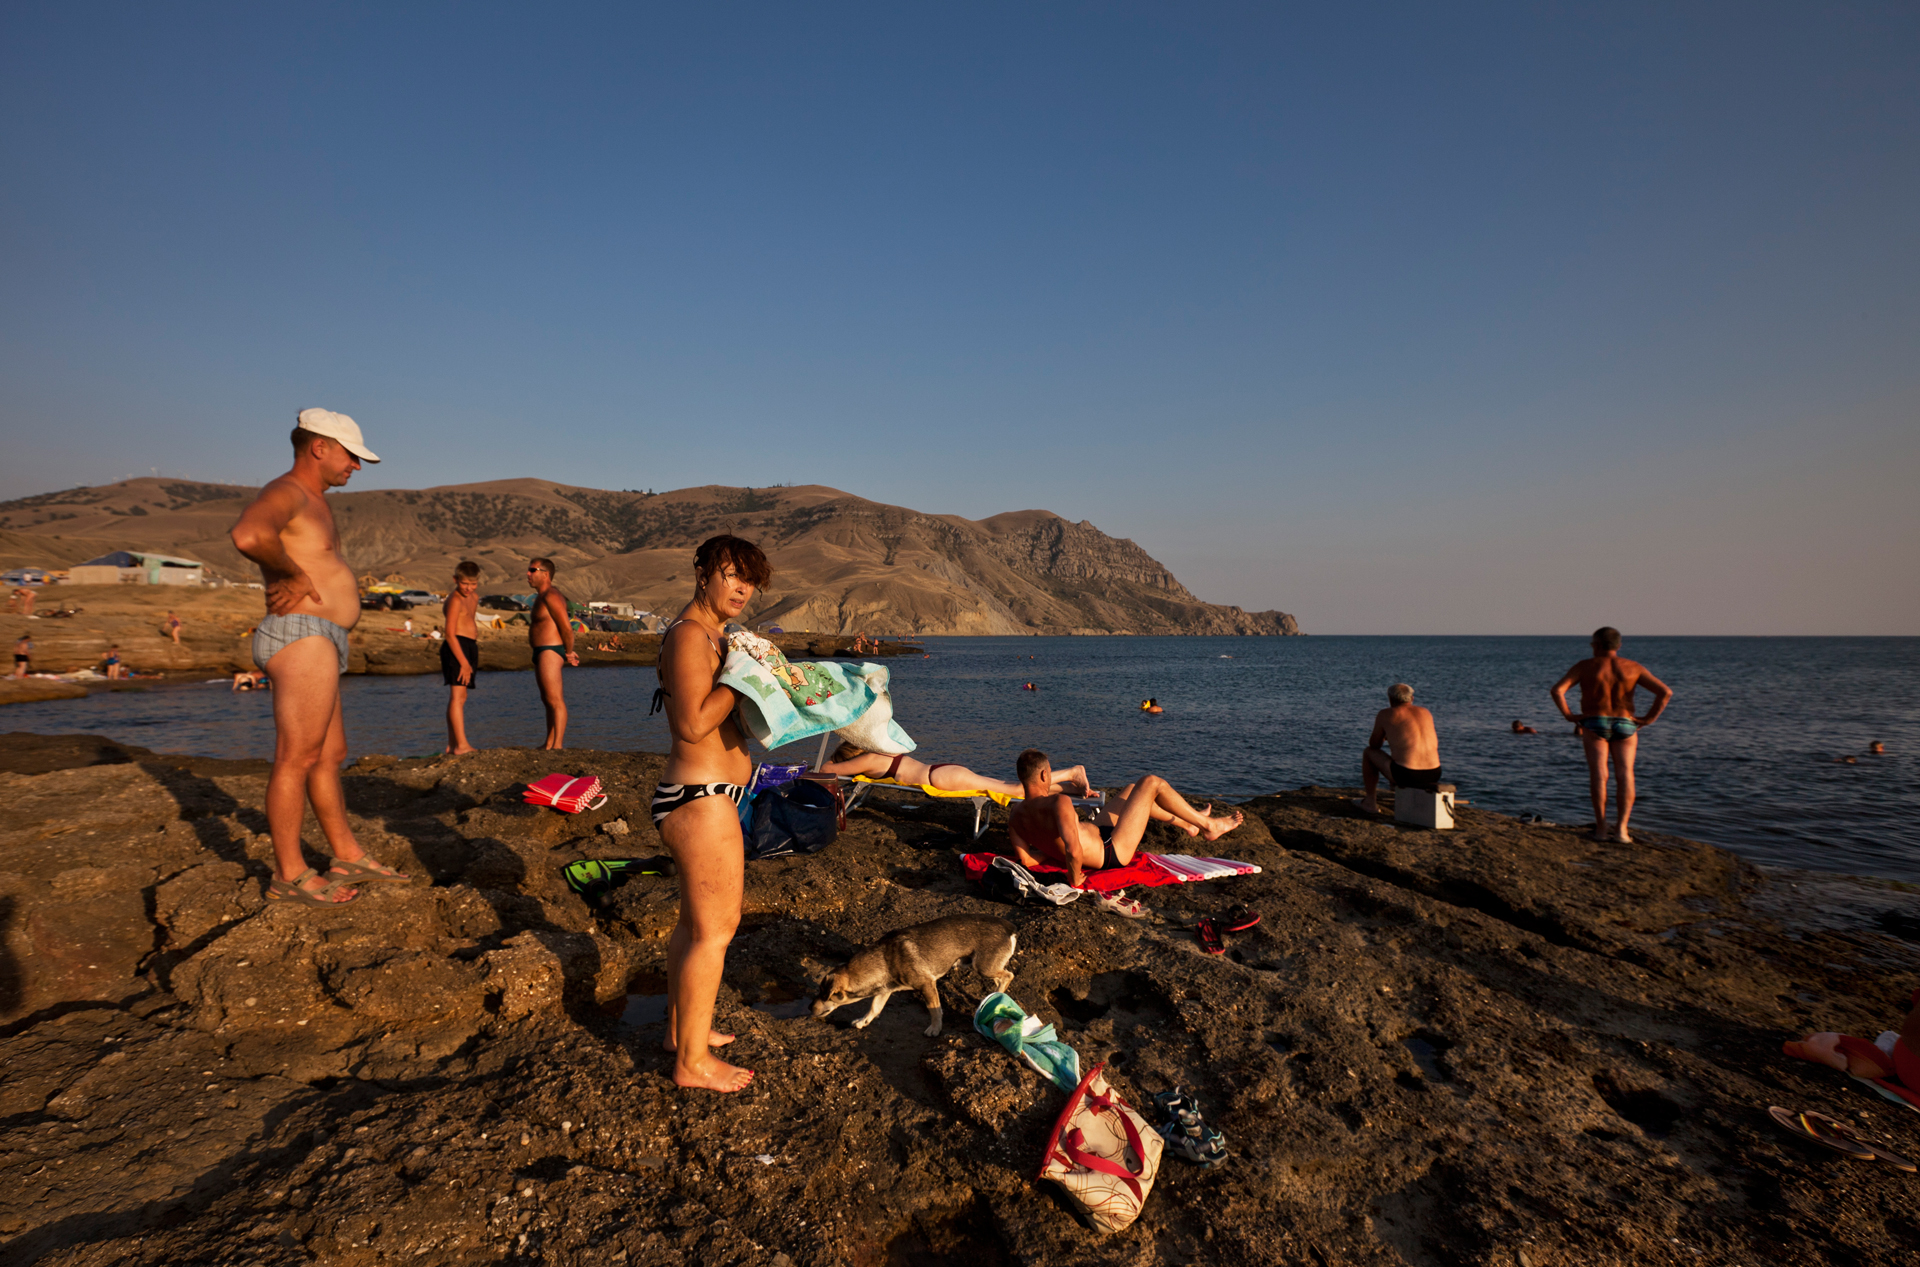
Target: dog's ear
814 967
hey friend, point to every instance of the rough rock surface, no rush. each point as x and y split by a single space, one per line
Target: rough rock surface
1499 1045
843 564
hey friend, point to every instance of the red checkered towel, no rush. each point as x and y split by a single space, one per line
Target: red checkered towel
566 792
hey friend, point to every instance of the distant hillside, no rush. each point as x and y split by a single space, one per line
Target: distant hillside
843 564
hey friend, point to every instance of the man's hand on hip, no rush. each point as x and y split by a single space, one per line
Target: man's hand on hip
285 594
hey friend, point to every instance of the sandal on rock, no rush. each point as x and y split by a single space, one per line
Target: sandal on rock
1209 934
1239 920
291 891
1120 904
368 870
1837 1135
1186 1134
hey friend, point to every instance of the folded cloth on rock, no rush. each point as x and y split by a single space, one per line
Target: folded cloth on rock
1008 879
1146 869
784 701
565 792
1035 1045
998 798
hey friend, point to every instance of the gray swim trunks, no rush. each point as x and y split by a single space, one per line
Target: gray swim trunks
276 632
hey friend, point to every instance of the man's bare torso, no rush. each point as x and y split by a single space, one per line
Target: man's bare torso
1410 735
312 542
541 629
1032 827
1606 686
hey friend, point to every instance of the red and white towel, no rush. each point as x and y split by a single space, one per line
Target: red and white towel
1146 868
1185 868
566 792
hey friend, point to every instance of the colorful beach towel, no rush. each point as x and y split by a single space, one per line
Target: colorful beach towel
1146 869
783 701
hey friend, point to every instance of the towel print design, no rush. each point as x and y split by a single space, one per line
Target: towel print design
783 702
804 683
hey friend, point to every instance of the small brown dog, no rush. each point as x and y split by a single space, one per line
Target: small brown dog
915 959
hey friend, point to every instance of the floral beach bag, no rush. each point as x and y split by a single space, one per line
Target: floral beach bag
1103 1153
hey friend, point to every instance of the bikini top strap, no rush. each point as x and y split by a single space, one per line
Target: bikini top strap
719 648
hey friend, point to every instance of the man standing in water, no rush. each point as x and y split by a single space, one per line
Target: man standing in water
460 652
1414 745
312 600
1607 725
551 636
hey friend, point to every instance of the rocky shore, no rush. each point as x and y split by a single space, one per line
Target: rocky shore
1504 1044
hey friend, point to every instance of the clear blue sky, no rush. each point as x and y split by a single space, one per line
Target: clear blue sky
1421 318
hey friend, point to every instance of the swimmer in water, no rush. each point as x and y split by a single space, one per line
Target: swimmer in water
1521 728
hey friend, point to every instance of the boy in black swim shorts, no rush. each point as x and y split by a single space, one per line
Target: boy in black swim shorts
460 653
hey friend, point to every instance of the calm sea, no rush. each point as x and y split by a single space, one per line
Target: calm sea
1744 758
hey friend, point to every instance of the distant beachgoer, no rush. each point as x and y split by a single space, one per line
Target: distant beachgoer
850 759
549 632
1044 830
696 803
1521 728
1876 749
21 600
460 653
312 601
1607 726
173 628
245 681
22 656
111 662
1412 758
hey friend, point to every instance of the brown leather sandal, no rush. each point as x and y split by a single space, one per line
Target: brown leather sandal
291 891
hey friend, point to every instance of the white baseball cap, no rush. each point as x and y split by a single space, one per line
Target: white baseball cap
325 422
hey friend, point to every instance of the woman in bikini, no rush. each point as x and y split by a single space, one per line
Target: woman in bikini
696 806
851 760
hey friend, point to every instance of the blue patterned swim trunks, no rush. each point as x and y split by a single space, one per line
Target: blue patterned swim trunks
277 632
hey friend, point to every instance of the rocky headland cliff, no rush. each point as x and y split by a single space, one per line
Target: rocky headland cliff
1504 1044
843 564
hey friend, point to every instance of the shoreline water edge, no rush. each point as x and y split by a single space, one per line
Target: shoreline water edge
1501 1043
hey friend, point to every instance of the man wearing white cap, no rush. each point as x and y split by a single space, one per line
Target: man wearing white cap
312 601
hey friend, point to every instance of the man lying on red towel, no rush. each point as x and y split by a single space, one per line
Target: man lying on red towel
1045 831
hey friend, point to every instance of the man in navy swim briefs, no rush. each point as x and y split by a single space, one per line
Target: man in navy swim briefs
1608 729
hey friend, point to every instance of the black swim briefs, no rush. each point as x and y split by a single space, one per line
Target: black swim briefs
1108 858
1425 780
450 667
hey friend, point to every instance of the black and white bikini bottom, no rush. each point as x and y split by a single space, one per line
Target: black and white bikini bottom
669 797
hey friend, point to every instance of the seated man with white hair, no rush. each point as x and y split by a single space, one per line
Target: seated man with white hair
1408 731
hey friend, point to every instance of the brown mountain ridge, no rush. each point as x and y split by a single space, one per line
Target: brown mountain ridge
842 563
